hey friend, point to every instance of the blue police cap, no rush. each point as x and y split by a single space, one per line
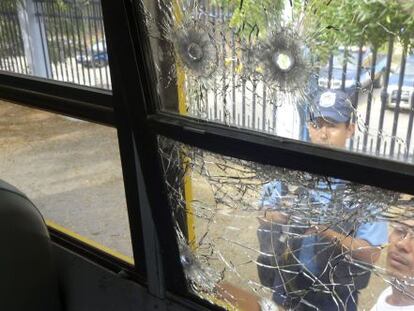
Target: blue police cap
333 105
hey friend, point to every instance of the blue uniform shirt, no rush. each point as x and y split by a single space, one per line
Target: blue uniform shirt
374 233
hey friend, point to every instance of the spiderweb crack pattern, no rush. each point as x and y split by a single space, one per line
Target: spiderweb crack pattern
220 252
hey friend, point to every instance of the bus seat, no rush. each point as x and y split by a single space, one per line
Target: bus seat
28 277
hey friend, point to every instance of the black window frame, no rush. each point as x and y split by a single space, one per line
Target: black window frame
96 106
132 108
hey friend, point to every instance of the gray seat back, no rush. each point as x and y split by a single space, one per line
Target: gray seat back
28 277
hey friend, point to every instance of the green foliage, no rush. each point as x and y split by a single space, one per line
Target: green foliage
7 25
13 4
65 34
407 5
252 18
62 33
327 25
354 22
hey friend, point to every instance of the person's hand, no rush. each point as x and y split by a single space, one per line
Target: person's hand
276 217
316 229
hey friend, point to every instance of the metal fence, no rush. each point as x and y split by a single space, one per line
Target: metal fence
12 57
72 41
384 111
388 111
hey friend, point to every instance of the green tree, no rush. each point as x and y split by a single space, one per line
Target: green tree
252 18
354 22
326 25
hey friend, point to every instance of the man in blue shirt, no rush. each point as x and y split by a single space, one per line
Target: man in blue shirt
319 267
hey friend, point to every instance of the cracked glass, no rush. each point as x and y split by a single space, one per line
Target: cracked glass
263 65
338 74
260 237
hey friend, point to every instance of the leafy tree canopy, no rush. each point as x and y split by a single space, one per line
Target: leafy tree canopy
327 25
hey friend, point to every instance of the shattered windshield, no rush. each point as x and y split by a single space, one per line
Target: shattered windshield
256 237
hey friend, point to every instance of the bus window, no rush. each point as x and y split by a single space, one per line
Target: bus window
63 41
71 171
229 64
260 234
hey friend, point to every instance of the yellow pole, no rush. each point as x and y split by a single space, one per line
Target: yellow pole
182 109
188 191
